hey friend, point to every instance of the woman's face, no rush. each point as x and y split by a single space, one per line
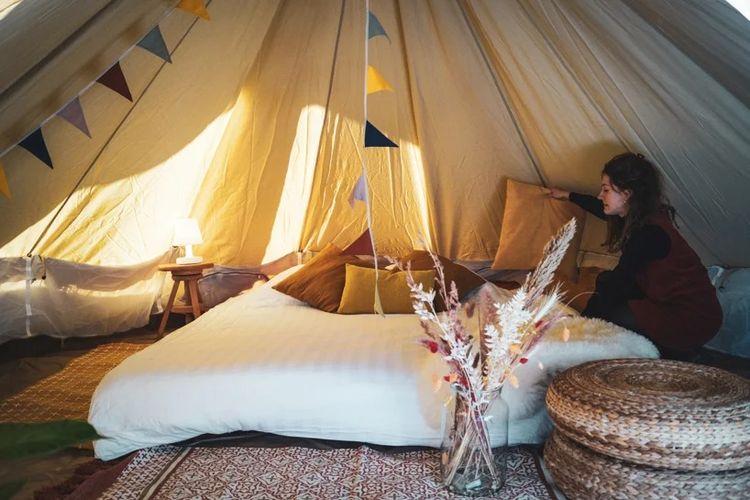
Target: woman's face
615 201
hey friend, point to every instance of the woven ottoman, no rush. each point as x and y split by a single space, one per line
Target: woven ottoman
640 428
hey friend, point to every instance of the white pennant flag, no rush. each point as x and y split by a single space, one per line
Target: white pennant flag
359 192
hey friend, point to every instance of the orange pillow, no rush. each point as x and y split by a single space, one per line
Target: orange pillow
530 219
320 282
465 280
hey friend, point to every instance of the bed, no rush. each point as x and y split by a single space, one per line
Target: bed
264 361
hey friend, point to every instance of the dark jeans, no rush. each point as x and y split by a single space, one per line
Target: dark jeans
623 316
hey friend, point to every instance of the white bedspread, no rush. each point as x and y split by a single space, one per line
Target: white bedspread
264 361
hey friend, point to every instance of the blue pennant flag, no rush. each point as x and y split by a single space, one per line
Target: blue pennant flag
374 138
35 145
376 28
154 43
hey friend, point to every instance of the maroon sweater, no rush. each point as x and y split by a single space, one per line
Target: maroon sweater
679 309
663 282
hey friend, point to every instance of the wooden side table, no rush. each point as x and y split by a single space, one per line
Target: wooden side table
189 274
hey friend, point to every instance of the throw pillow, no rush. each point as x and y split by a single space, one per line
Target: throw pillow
530 219
359 290
466 281
320 282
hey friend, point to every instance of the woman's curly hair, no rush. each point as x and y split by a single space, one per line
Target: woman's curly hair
633 172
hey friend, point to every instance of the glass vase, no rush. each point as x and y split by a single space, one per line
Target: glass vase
475 447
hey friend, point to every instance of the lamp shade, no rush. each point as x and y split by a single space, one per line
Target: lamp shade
186 232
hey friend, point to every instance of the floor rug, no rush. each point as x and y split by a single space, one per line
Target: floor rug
169 472
67 393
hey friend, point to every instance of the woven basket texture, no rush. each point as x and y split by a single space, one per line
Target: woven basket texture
585 474
668 414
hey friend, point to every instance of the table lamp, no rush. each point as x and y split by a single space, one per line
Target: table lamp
187 234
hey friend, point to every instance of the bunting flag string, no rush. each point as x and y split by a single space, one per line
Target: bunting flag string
154 43
375 28
4 187
197 7
73 113
376 82
114 79
374 138
34 144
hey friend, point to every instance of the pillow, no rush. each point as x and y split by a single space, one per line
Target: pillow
359 290
530 219
320 282
465 280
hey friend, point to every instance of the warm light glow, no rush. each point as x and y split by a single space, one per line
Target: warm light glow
295 197
186 232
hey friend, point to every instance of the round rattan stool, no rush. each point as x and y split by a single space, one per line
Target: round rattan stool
582 473
667 414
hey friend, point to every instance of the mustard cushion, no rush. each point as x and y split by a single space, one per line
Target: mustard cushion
359 290
530 219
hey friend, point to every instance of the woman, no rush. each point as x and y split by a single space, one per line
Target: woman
659 288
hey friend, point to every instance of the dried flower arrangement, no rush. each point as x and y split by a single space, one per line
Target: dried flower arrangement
478 368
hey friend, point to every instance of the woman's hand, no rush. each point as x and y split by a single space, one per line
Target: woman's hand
557 193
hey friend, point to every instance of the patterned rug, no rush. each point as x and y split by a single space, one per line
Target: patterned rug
67 393
169 472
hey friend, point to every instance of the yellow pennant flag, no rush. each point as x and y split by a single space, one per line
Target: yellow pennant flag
197 7
4 188
375 81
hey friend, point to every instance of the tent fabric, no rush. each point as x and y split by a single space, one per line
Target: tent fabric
256 129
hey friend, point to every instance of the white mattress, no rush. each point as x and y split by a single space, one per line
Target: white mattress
264 361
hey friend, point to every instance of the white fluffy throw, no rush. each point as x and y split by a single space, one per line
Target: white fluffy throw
590 339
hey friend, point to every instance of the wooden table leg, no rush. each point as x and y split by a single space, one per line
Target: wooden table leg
165 314
195 300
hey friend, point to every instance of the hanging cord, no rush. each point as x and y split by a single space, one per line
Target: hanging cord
471 23
114 132
377 306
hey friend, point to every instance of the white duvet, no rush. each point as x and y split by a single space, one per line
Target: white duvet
266 362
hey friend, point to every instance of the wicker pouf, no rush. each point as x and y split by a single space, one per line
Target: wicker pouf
582 473
665 414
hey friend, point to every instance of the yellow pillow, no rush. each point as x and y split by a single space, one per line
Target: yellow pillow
530 219
359 290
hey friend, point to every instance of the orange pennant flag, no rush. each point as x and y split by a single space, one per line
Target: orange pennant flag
375 81
197 7
4 188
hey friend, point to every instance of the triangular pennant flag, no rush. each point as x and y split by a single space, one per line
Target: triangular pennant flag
374 138
4 188
197 7
376 28
359 192
115 80
35 145
154 43
376 81
73 113
360 246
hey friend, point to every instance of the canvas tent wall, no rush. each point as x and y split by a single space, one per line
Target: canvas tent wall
256 127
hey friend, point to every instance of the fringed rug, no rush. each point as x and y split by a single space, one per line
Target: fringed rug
67 393
168 472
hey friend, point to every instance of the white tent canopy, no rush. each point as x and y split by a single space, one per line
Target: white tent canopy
256 127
